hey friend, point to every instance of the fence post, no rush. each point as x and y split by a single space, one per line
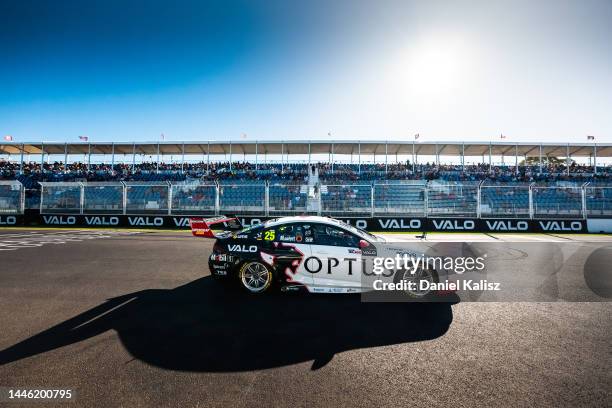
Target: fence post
22 198
531 212
426 200
267 199
169 198
584 206
479 201
124 197
372 198
42 193
82 197
319 209
217 200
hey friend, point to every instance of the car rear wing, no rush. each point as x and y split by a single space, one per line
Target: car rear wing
202 227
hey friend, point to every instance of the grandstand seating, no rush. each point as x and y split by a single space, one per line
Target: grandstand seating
146 199
399 199
103 198
242 197
193 198
347 199
505 200
598 201
557 200
287 199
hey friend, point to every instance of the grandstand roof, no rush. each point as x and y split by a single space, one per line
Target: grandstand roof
366 147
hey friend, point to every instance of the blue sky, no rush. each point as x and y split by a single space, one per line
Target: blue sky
198 70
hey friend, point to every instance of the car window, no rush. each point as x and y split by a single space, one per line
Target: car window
252 232
295 232
330 235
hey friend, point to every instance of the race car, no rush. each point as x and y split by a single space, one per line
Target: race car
319 254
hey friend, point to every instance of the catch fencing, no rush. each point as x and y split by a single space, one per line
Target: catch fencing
12 197
259 198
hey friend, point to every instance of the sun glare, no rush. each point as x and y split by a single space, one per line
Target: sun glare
436 66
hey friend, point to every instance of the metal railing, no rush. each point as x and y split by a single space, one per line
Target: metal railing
405 199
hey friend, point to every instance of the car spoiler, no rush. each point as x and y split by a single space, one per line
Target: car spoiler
202 227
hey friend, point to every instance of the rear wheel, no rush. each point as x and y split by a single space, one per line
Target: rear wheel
255 277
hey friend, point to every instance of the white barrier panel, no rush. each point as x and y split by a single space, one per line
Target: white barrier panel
599 225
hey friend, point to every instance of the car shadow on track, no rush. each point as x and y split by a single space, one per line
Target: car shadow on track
213 327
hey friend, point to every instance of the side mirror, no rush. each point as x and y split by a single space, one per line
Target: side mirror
363 244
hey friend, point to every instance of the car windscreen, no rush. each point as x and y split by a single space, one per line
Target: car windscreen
359 232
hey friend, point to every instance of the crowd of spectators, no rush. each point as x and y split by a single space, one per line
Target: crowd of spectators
32 172
467 173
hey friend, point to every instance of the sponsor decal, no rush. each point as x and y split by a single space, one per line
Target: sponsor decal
357 223
249 222
394 223
59 220
314 265
95 220
370 250
221 258
8 220
241 248
146 221
560 225
219 270
292 288
454 225
182 222
507 225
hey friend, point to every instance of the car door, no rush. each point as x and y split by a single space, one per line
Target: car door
335 262
284 248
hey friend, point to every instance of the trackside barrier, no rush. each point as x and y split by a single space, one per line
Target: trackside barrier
257 198
376 224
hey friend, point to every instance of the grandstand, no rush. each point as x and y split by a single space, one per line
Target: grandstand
361 187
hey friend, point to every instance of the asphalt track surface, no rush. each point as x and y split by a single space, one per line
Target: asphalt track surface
134 319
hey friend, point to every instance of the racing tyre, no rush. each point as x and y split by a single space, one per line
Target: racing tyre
255 277
426 274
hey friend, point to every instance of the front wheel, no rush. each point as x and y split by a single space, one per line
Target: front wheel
422 274
255 277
